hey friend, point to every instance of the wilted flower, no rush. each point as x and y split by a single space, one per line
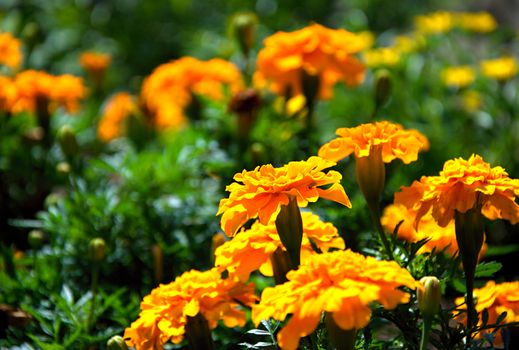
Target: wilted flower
463 185
342 283
314 51
502 68
165 311
496 299
170 88
262 191
251 249
10 51
459 77
117 109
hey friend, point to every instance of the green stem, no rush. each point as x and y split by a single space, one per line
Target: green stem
375 217
426 329
93 289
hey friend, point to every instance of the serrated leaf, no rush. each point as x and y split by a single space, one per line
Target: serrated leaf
258 332
487 269
66 294
502 250
459 286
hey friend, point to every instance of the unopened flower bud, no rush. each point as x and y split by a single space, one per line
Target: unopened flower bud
97 249
36 239
116 343
244 29
67 141
382 88
371 175
429 296
63 168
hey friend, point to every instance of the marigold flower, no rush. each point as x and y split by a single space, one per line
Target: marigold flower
502 68
496 298
459 77
95 63
480 22
314 50
342 283
394 141
251 249
440 238
435 23
8 94
119 107
10 51
169 89
471 100
382 57
262 191
463 185
63 90
165 310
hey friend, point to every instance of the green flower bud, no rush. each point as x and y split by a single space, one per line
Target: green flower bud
97 249
67 141
63 168
382 88
244 29
36 239
429 296
116 343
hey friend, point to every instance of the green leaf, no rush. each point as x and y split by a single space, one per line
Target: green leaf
487 269
502 250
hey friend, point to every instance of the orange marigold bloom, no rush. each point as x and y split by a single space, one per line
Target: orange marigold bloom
168 90
119 107
63 90
10 51
95 63
262 191
440 238
316 50
8 94
496 298
342 283
463 185
251 249
392 139
164 312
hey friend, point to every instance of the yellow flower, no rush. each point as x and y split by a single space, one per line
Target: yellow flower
382 57
32 86
496 298
169 89
10 51
459 77
408 43
471 100
315 50
480 22
261 192
164 312
342 283
435 23
251 249
392 139
95 63
463 185
119 107
502 68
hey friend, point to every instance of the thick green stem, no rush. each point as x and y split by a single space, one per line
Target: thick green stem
426 329
289 225
375 217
